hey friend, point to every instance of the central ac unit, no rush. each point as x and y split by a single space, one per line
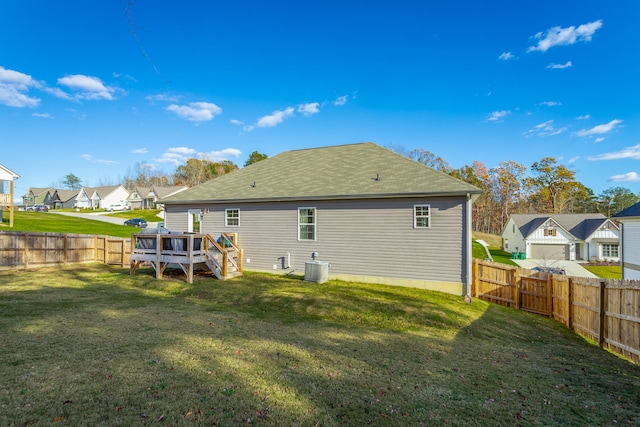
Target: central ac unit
316 271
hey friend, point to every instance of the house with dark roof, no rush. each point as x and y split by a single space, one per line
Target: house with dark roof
630 242
571 237
371 214
65 199
101 197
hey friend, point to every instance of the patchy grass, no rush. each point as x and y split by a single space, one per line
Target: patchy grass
92 345
497 254
46 222
491 239
605 271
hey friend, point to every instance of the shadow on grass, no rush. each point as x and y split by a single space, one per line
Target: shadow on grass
94 345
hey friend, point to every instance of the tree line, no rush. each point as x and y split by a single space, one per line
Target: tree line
512 188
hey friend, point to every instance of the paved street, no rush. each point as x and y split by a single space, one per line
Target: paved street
101 216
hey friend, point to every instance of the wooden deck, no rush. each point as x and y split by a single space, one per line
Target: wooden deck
189 252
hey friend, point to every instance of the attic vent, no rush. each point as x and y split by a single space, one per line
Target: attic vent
316 271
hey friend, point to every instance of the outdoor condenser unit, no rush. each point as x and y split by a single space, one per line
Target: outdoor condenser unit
316 271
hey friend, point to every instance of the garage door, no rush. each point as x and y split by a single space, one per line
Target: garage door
550 251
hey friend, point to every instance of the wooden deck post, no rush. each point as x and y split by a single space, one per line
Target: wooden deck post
159 268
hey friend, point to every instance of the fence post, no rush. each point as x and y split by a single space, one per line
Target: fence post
550 295
474 278
26 250
515 281
603 305
65 250
570 303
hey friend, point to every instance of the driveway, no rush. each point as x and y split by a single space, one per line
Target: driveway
572 268
100 216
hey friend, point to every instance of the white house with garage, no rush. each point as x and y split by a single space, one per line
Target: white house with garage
630 220
573 237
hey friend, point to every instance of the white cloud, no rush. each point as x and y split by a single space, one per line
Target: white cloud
87 87
43 115
218 156
550 103
560 66
179 155
599 129
139 151
14 86
89 158
600 139
196 111
544 129
341 100
505 56
584 117
628 177
626 153
309 109
558 36
574 159
274 118
162 97
497 115
236 122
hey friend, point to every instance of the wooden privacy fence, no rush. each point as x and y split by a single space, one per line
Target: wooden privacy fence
29 250
604 310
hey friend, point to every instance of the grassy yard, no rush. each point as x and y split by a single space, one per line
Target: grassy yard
91 345
605 271
47 222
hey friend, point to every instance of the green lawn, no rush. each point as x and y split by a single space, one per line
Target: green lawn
605 271
54 223
92 345
497 254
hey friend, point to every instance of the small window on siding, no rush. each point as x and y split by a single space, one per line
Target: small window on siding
421 216
232 217
549 231
306 223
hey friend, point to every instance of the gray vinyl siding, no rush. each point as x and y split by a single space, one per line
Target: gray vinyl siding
372 237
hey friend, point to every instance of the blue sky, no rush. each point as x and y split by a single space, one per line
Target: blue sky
96 88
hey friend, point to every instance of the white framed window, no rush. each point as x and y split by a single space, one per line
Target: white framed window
232 217
550 232
421 216
610 250
306 223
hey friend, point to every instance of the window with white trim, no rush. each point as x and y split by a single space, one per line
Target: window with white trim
306 223
610 250
232 217
421 216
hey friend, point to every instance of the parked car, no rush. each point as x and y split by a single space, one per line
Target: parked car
117 207
550 270
136 222
37 208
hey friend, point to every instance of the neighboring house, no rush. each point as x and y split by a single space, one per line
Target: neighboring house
156 193
148 197
7 176
39 196
562 237
136 197
65 199
101 197
372 214
630 220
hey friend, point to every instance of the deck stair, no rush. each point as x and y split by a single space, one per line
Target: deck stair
224 257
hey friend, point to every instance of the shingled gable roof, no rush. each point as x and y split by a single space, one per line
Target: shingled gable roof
363 170
633 210
580 226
